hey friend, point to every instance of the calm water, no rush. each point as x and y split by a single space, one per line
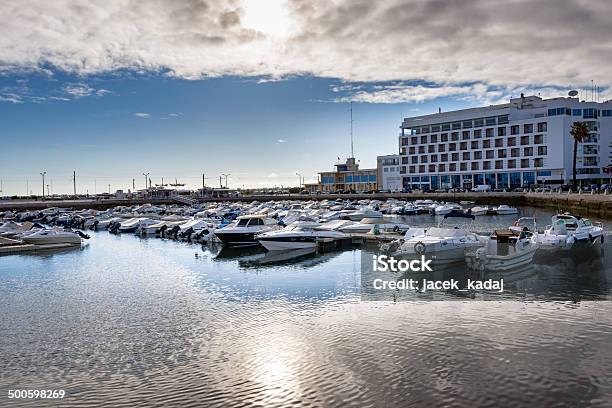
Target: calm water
128 321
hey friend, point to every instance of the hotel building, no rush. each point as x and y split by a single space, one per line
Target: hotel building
523 142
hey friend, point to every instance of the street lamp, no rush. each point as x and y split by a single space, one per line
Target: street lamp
43 183
299 178
146 176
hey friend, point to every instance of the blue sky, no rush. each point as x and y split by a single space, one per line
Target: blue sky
112 128
260 89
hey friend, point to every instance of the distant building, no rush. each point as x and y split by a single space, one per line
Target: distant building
210 192
388 173
347 177
523 142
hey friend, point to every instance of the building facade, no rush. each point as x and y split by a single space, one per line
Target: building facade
348 177
388 173
523 142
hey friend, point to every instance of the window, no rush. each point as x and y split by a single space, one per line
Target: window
455 136
433 158
464 167
539 162
444 157
412 169
590 161
524 140
502 120
434 138
486 144
492 121
486 165
386 170
589 149
423 139
423 159
528 128
466 156
431 149
501 131
475 166
445 126
489 132
441 147
589 113
414 140
412 150
435 128
501 153
455 157
528 151
466 135
414 159
463 146
511 164
432 168
256 221
474 145
444 137
452 147
511 141
516 152
524 163
467 124
606 113
442 167
542 127
499 142
477 133
478 155
452 167
421 149
514 130
478 122
538 139
456 125
499 164
489 154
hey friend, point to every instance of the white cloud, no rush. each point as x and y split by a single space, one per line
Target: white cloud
281 141
272 175
142 115
10 97
445 43
81 90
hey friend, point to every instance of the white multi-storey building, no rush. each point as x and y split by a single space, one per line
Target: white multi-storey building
509 145
389 177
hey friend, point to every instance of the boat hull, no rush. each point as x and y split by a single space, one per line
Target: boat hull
237 238
288 244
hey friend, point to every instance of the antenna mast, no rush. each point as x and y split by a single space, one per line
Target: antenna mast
351 110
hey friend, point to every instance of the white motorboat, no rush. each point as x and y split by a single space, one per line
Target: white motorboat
244 229
133 224
368 224
447 208
364 213
506 249
52 237
567 230
297 236
442 245
505 210
478 210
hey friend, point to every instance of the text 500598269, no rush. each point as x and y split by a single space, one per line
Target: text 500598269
36 394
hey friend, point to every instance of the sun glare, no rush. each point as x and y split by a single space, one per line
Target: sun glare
270 17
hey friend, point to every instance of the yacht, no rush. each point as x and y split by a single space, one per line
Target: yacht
369 224
52 237
297 236
447 208
244 229
364 213
566 230
505 210
506 249
443 245
479 210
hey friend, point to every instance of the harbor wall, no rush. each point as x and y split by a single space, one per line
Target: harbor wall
599 205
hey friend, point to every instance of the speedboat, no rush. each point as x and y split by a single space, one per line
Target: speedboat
52 237
479 210
566 230
244 229
447 208
297 237
368 224
133 224
443 245
506 249
364 213
505 210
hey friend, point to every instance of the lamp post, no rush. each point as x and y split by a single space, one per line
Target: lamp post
43 184
146 176
299 178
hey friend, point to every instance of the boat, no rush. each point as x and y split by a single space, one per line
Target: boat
133 224
364 213
447 208
505 210
506 249
382 225
479 210
567 230
244 229
442 245
50 236
295 237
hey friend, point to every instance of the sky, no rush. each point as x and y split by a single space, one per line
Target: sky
260 89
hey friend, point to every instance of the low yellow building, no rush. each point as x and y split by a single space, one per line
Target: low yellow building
347 177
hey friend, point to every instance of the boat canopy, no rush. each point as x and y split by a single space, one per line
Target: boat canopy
446 232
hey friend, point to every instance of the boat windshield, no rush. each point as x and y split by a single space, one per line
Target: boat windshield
445 232
242 223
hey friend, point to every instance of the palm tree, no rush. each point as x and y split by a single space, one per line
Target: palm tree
579 132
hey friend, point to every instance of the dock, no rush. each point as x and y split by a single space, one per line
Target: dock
21 248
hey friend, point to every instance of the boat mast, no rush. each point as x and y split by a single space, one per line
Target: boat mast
351 111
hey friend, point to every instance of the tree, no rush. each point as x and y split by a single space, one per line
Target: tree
579 132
